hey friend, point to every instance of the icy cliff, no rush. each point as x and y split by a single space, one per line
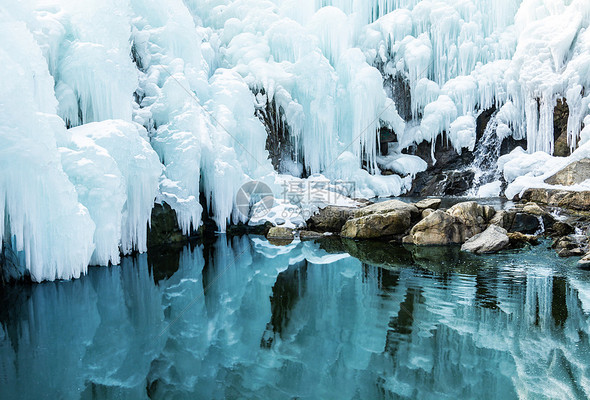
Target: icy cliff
109 105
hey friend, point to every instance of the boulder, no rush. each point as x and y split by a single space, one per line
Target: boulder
433 204
330 219
427 212
533 209
585 261
472 215
575 173
562 228
503 219
518 240
439 228
280 233
310 235
376 225
492 240
387 207
525 223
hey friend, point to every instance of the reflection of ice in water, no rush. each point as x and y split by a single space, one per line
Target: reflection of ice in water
243 318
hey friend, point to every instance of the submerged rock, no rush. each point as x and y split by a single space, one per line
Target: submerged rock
310 235
492 240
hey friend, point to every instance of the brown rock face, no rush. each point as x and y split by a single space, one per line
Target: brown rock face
439 228
377 225
560 117
280 233
560 198
472 216
574 173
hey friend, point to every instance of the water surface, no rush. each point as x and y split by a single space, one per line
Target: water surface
242 318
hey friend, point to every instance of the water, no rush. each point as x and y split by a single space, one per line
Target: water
241 318
485 157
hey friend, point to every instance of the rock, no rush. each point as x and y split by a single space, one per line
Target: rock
310 235
331 219
433 204
472 215
560 198
427 212
280 233
378 225
525 223
164 229
568 246
562 228
561 114
439 228
492 240
573 174
518 240
386 207
534 209
575 252
503 219
585 261
488 213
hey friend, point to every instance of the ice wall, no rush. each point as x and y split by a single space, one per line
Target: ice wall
193 74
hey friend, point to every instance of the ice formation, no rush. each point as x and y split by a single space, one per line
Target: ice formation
188 80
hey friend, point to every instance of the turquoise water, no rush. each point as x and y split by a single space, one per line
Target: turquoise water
242 318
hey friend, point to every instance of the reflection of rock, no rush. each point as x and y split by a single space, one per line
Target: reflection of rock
330 219
288 289
492 240
380 254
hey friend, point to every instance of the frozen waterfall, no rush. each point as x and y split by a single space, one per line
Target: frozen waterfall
108 106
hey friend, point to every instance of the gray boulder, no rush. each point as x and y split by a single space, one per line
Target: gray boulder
492 240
